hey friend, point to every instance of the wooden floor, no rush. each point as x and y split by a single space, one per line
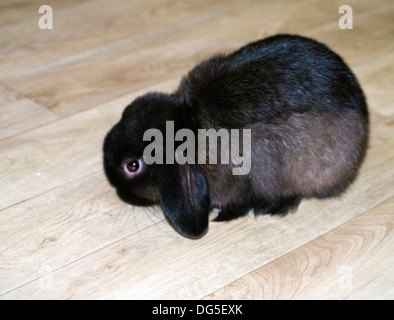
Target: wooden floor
64 234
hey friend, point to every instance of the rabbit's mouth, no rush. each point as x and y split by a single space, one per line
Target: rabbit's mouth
133 199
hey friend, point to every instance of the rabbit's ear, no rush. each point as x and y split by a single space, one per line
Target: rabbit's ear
184 197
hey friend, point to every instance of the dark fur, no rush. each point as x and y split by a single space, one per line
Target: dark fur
309 122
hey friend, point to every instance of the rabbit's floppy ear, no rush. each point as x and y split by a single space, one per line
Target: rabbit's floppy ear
184 197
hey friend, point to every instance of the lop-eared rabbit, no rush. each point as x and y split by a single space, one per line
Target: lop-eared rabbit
309 125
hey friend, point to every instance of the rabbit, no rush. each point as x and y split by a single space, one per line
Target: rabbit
309 125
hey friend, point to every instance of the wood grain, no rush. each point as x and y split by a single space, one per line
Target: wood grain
63 231
38 160
345 263
19 114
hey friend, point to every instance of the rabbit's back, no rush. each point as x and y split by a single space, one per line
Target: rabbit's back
268 80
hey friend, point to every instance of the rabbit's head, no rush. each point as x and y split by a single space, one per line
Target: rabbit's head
181 190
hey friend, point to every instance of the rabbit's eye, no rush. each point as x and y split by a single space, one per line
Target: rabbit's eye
132 167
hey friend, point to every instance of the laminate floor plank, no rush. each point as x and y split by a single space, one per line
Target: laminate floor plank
353 261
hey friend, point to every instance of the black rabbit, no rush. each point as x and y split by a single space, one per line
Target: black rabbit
309 126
